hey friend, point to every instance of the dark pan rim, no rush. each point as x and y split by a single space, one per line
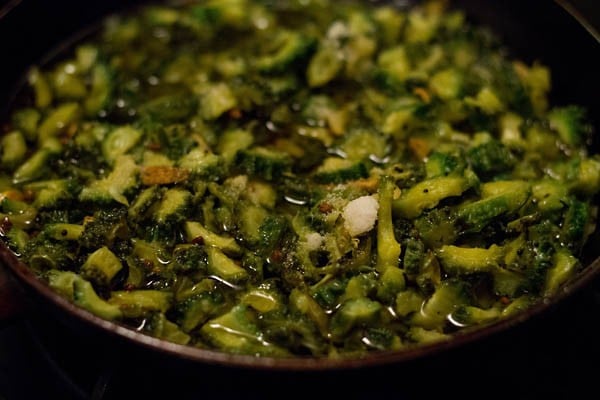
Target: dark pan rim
29 278
578 16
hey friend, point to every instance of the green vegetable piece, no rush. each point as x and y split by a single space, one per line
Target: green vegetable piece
499 198
236 331
216 100
18 213
425 336
390 22
58 120
427 194
261 194
588 177
196 232
506 282
102 86
354 312
339 170
216 13
414 255
46 255
173 206
362 144
197 309
119 142
570 123
491 158
189 258
63 231
447 84
160 327
487 100
35 167
549 195
479 214
85 297
441 164
408 302
391 282
519 189
143 202
103 228
444 301
388 248
137 303
66 83
564 268
575 226
26 120
394 63
518 305
158 15
50 193
421 26
122 179
470 315
13 149
437 227
224 267
41 88
359 286
467 260
251 218
62 282
262 300
398 121
287 48
151 253
86 56
17 239
201 164
171 107
101 266
232 141
543 141
511 130
306 305
324 65
263 162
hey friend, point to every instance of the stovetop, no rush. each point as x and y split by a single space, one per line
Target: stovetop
555 355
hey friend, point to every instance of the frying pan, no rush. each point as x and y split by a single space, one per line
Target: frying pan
533 30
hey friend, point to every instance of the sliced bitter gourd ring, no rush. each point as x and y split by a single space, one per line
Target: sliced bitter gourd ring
427 194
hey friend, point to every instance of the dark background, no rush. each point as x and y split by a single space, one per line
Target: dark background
554 355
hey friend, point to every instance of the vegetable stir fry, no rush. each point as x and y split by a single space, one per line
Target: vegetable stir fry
297 178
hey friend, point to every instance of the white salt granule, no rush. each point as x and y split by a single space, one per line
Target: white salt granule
360 215
313 240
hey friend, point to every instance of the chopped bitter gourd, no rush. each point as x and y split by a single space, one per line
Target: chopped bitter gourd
263 163
287 48
136 303
428 194
113 187
85 297
338 170
297 178
101 266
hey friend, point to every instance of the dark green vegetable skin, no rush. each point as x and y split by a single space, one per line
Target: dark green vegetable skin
281 179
